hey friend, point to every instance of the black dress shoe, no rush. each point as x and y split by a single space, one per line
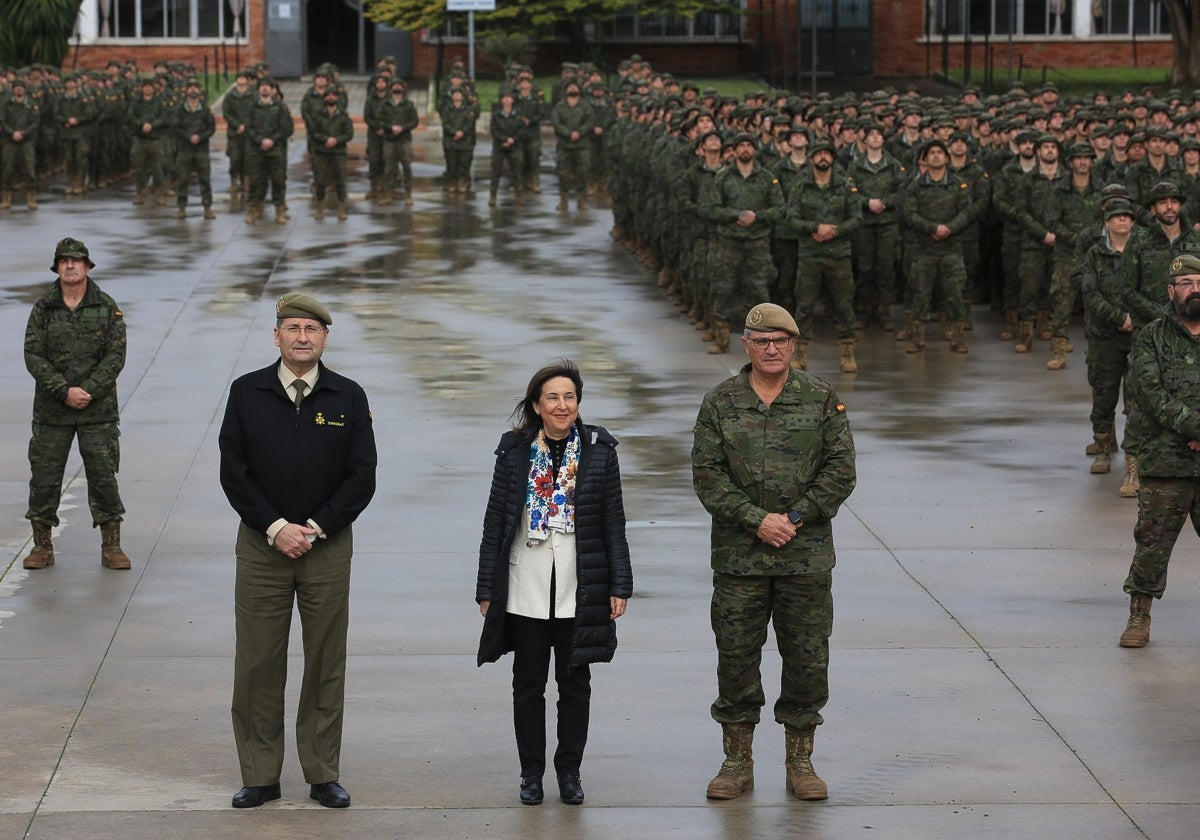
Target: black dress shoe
255 795
531 790
330 794
569 789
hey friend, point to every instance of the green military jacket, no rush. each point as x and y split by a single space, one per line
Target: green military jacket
271 120
1104 309
567 119
506 127
1075 216
1165 376
142 111
836 203
188 122
1030 201
236 108
323 125
455 120
883 181
1144 273
403 113
928 203
731 194
80 106
750 459
83 348
19 116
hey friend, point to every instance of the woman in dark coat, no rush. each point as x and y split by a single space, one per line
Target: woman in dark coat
554 571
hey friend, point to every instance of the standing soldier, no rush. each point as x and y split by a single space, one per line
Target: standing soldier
772 462
1166 385
458 140
376 94
1006 202
937 207
236 108
75 349
19 122
1107 326
879 178
966 168
149 121
743 206
268 131
398 117
530 105
824 211
194 125
332 130
507 126
1039 242
604 116
76 112
573 120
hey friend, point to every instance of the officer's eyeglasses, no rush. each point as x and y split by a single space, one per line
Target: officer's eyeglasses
308 330
781 342
1186 284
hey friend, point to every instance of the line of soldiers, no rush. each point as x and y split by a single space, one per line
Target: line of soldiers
1038 206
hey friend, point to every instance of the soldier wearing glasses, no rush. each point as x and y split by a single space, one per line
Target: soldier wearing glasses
772 461
1165 380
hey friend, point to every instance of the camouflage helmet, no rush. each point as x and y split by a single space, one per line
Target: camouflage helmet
72 248
1165 189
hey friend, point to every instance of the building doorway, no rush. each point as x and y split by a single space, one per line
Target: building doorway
331 35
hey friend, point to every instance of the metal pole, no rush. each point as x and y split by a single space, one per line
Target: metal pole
362 39
813 8
799 42
471 44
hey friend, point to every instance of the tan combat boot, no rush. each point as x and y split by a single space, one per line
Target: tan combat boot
209 214
1058 355
1024 337
1010 326
903 333
561 207
42 553
253 213
707 330
1131 483
139 197
847 361
1043 325
31 200
944 323
957 345
343 214
281 214
736 775
800 357
1091 449
802 780
181 213
320 214
1102 462
492 197
885 318
583 205
1137 629
111 555
5 200
720 337
916 336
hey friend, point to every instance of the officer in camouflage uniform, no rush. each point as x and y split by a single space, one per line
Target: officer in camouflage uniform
573 120
772 462
743 206
332 130
879 178
75 111
268 131
507 126
20 121
236 107
194 124
75 349
398 116
149 121
1166 385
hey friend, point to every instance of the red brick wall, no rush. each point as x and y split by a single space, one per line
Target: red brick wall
95 56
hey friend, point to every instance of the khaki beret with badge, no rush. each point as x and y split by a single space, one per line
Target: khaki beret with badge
1185 264
300 305
769 316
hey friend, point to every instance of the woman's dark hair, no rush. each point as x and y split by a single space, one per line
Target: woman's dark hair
523 416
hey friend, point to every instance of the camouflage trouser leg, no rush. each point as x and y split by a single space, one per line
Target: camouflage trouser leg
837 277
99 446
874 267
147 167
329 174
971 264
1064 287
374 157
1163 505
800 608
943 273
506 158
1010 255
1106 364
1035 268
75 156
194 162
783 284
742 270
572 169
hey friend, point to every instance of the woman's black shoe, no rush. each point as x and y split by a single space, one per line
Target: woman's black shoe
531 790
569 789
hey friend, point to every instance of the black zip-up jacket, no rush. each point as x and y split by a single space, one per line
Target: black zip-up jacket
602 553
316 462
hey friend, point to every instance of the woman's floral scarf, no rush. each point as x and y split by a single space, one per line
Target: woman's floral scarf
551 500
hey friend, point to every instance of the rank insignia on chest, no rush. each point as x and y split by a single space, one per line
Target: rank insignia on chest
322 420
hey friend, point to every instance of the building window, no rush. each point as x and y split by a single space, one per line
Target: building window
629 25
172 18
1123 17
1000 17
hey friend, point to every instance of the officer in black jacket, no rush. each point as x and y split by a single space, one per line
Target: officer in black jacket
298 465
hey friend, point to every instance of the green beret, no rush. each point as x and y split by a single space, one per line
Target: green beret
300 305
70 248
1185 264
768 316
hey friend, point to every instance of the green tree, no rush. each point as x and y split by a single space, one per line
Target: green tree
531 16
1184 20
36 31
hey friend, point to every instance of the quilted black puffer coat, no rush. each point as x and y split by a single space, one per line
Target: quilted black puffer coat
602 553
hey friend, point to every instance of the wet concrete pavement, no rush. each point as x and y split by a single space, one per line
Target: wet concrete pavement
977 689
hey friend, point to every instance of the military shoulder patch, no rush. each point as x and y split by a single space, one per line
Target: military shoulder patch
840 407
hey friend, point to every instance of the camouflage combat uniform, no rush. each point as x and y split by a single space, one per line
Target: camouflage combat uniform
1165 368
1104 312
824 265
83 348
193 158
748 460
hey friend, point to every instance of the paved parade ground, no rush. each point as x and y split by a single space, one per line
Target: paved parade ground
977 690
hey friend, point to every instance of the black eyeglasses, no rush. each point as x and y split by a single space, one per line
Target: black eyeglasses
781 342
